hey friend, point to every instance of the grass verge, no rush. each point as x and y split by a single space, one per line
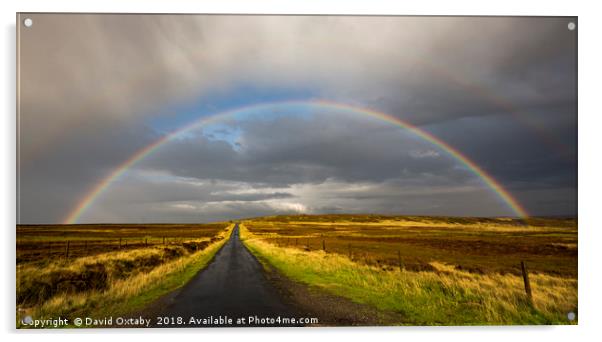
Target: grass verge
445 297
120 294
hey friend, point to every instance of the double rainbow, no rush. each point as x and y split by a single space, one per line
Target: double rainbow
88 200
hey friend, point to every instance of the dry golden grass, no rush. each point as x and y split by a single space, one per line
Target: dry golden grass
43 244
479 245
447 296
122 294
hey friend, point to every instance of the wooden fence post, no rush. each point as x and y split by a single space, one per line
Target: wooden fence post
119 243
164 240
145 242
67 251
323 245
86 247
527 282
399 260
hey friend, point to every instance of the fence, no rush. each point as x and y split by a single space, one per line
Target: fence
355 253
34 250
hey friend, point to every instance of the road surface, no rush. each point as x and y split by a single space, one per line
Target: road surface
233 285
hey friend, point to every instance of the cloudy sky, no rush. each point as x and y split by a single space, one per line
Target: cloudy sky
96 89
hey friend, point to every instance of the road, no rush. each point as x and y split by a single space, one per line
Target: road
232 285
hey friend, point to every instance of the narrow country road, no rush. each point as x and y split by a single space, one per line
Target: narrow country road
232 285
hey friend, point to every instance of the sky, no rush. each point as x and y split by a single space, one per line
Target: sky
95 90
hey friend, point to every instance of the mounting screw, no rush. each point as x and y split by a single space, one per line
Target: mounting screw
571 26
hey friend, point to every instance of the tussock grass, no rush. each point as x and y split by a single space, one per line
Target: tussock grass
114 283
447 296
44 244
479 245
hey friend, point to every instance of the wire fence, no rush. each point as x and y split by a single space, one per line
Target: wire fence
73 248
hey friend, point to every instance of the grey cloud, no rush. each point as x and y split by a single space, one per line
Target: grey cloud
116 67
289 150
90 83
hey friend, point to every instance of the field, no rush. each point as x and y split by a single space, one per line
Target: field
40 243
426 270
433 270
78 270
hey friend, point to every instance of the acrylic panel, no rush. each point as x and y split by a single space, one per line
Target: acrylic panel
184 170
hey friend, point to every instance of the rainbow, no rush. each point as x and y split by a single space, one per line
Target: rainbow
483 92
88 200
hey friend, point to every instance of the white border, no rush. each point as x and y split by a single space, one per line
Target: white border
589 162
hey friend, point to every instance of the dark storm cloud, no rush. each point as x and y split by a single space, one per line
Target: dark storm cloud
291 150
502 90
482 66
58 177
517 155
